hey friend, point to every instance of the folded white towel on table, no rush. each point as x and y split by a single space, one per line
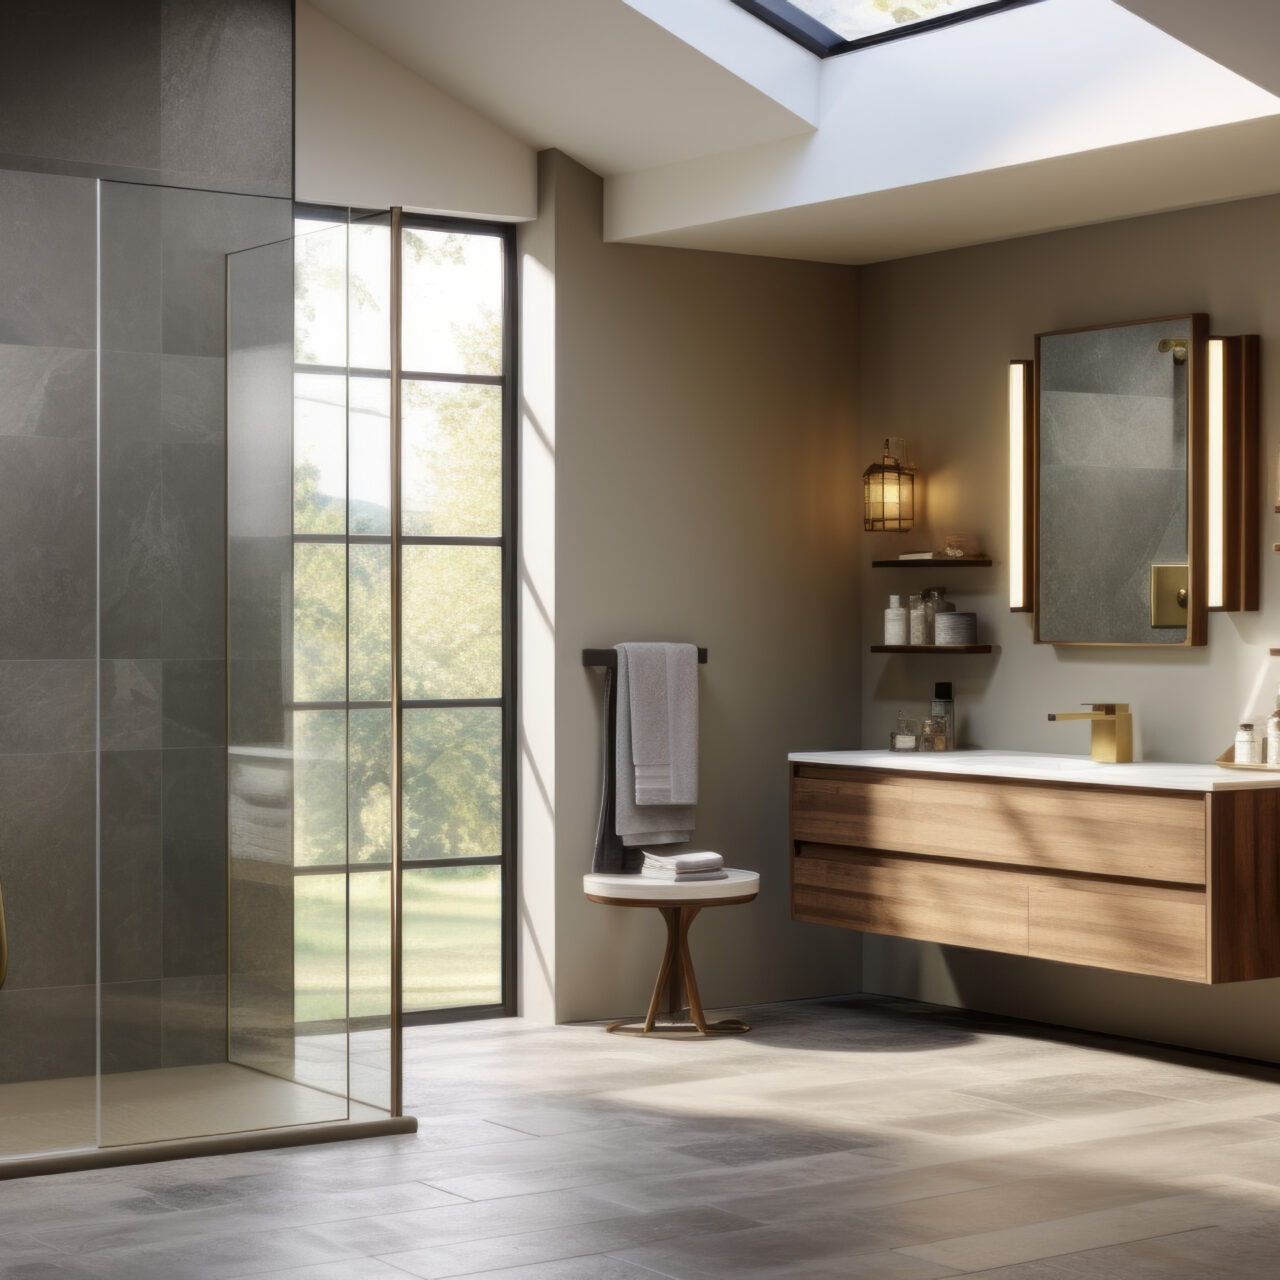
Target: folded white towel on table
680 877
688 860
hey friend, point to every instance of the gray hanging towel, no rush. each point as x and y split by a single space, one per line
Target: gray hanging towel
664 722
668 752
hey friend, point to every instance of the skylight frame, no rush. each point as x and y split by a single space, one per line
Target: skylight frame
818 38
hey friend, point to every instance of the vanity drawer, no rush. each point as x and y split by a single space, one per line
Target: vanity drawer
1095 831
1126 927
910 897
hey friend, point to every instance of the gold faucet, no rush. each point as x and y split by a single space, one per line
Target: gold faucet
1111 737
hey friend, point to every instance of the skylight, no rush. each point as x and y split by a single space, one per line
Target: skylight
836 26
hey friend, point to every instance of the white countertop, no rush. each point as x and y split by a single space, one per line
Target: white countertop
1150 775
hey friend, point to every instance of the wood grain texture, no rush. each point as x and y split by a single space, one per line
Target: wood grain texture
1157 931
1244 885
1134 835
911 897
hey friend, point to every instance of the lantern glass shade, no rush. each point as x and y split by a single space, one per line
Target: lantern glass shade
888 496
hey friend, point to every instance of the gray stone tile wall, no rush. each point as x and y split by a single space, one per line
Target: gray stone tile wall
152 95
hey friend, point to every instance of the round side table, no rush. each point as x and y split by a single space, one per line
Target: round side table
679 904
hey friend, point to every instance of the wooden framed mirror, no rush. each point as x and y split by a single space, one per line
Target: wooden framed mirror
1133 471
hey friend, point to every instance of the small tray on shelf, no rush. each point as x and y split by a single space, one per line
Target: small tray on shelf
973 562
1227 760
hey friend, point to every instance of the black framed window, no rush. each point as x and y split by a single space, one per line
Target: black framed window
452 580
828 27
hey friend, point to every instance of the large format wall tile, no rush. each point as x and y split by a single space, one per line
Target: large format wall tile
47 532
132 887
79 81
195 1020
131 1032
193 399
47 707
195 862
198 230
48 1033
47 391
226 95
195 703
137 559
131 259
48 260
130 692
47 866
193 612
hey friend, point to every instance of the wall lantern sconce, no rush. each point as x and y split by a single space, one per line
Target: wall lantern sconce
889 491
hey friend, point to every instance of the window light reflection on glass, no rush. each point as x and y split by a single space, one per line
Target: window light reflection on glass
888 491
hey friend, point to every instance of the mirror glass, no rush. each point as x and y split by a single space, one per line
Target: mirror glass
1112 474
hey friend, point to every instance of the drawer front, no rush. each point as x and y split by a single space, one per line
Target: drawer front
910 898
1093 830
1160 932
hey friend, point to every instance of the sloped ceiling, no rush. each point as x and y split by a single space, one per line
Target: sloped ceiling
715 132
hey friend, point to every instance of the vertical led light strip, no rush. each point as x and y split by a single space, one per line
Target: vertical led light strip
1217 473
1018 370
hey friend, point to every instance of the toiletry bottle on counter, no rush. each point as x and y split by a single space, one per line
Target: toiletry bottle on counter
1248 745
895 622
1273 736
944 708
919 625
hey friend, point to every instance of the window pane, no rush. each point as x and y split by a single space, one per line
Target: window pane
370 294
320 948
370 454
452 459
854 19
320 297
319 623
452 937
370 622
319 452
369 786
319 798
452 303
453 783
451 622
370 944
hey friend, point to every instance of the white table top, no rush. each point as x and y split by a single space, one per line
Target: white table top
1149 775
737 884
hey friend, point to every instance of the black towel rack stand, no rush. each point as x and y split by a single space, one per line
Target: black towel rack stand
611 855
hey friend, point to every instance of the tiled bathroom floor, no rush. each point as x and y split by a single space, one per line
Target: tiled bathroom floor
845 1138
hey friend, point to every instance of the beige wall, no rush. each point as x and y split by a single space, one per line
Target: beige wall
697 427
936 335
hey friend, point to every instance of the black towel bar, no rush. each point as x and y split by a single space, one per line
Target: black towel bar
608 658
611 854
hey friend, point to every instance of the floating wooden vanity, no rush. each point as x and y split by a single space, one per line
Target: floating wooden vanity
1162 869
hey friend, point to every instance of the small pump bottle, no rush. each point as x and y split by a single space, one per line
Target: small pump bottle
895 622
1248 745
944 706
1273 736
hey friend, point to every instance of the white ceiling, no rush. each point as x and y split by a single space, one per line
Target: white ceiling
702 120
594 78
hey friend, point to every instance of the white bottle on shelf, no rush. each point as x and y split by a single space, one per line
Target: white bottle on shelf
1273 736
895 622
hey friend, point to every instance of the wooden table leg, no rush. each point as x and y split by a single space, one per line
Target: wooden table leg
676 987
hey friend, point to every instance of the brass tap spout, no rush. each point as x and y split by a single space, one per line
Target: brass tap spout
1111 730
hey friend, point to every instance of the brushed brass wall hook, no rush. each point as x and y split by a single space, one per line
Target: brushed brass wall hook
1178 346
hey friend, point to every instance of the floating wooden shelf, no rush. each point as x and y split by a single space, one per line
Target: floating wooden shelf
971 562
1275 653
930 648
